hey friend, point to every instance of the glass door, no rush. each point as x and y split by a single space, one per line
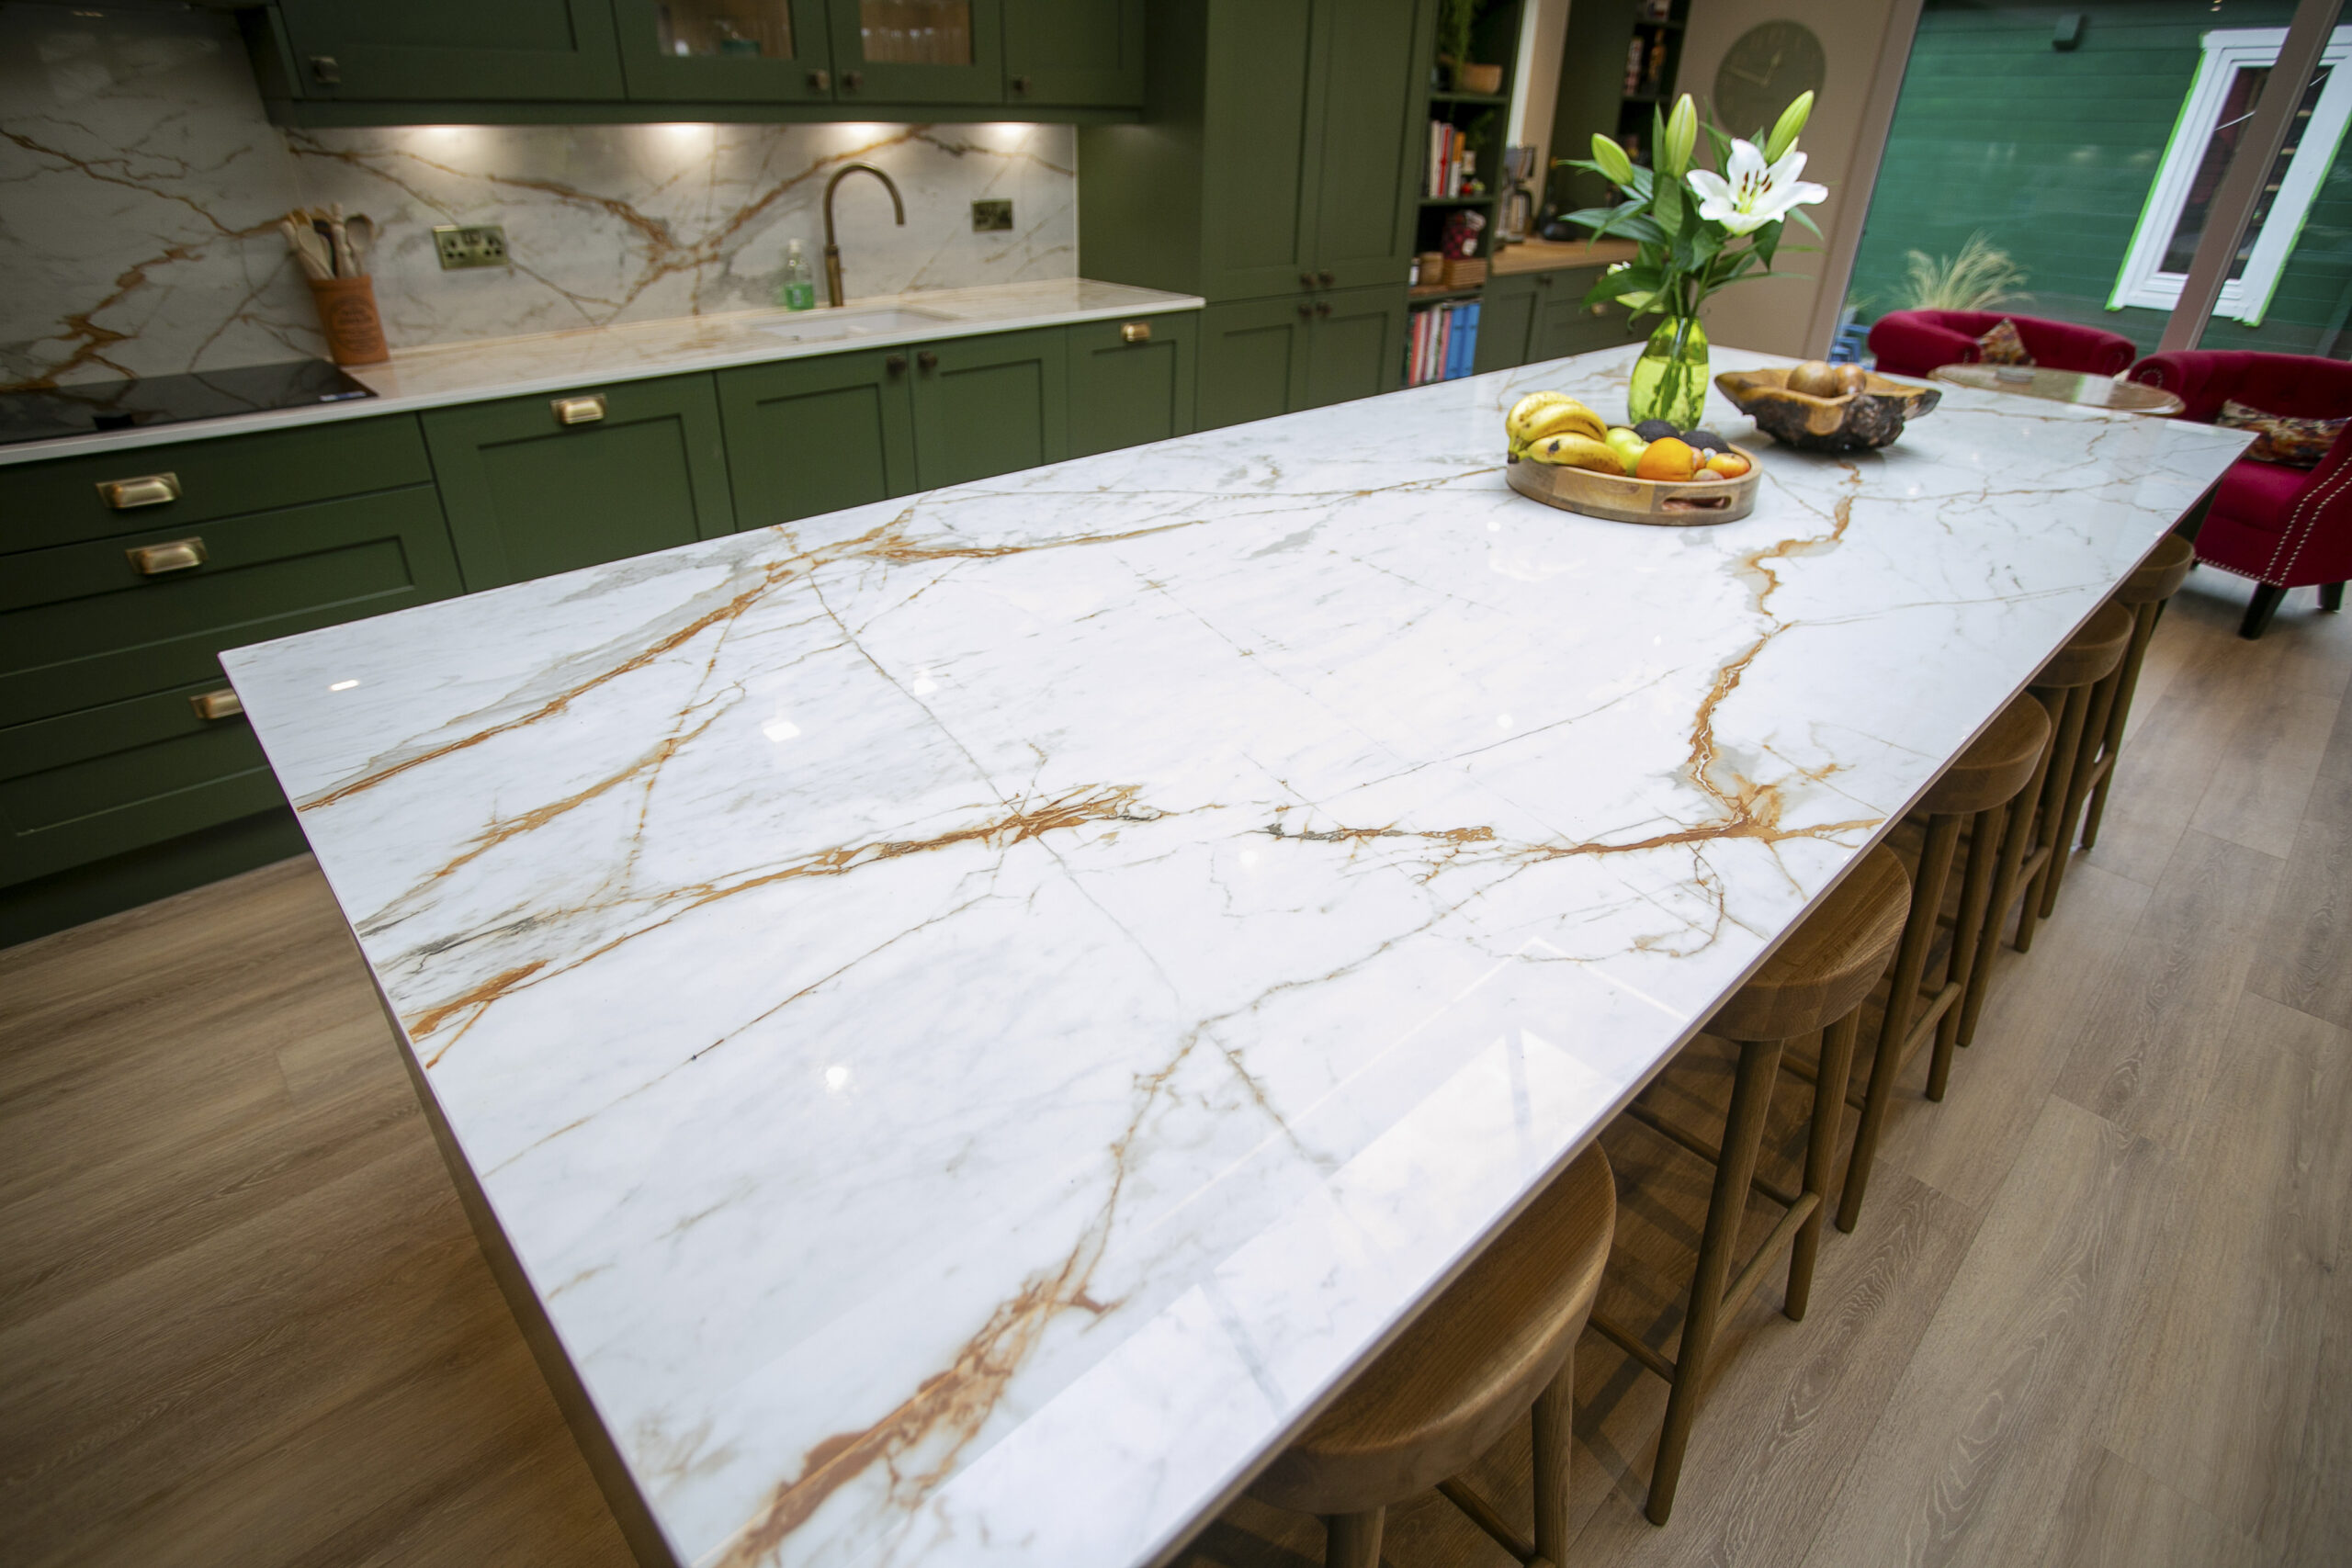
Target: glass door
725 50
918 51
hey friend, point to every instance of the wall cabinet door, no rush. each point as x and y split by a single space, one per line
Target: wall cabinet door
1506 318
1080 53
1360 140
1131 381
806 436
1564 325
990 405
1253 360
918 51
454 49
1355 347
529 495
725 50
1253 148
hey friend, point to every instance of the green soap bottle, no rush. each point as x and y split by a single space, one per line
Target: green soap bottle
798 290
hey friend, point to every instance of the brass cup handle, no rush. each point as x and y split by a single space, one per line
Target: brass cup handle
172 555
578 411
148 490
1136 332
223 704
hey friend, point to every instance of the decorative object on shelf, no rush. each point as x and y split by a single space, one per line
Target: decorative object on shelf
1462 232
1519 196
1697 231
328 245
1850 421
1564 455
1453 51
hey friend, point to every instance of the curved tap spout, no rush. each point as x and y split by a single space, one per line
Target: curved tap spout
833 251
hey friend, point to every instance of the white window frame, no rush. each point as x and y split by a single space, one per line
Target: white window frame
2227 51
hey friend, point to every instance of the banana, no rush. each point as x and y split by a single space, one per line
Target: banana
1565 418
1527 408
1576 451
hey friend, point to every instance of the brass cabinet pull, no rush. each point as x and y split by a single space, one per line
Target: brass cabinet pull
1600 309
820 81
172 555
895 364
1136 332
1021 84
578 411
325 70
927 360
1307 280
1543 280
1325 279
223 704
1305 309
852 80
147 490
1322 306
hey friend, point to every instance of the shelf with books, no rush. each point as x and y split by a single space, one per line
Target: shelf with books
1442 342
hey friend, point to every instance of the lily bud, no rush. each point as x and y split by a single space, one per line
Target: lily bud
1784 132
1682 136
1613 160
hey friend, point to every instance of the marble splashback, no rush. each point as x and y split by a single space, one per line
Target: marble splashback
138 236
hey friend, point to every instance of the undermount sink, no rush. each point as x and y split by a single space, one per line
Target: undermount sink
820 326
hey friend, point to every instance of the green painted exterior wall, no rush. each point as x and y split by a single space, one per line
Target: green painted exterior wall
2050 152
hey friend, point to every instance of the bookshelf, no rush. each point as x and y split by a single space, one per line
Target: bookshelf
1477 124
1619 62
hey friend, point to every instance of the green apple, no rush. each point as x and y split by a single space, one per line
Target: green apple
1628 445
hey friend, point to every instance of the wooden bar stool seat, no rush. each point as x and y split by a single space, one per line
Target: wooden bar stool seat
2073 686
1499 1341
1974 793
2144 593
1816 981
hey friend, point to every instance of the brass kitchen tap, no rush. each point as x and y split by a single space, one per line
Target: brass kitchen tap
833 251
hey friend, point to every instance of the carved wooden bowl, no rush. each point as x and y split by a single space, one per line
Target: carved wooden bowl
1871 417
1672 503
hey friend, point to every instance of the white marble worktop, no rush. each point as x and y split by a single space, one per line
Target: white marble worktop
585 357
976 1012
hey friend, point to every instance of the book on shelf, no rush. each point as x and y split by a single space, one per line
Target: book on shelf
1443 342
1453 166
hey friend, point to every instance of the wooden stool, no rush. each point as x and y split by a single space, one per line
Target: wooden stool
1816 981
1975 792
1500 1340
2144 593
2075 688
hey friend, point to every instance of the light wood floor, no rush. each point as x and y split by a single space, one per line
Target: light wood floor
2093 1314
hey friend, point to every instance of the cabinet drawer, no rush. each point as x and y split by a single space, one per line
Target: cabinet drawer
54 502
80 625
1131 381
81 786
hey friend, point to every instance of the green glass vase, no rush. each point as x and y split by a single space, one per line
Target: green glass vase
1670 377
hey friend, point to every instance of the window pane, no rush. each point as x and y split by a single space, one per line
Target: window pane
756 28
916 32
2237 114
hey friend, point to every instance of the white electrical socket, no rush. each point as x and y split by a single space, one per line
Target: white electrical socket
478 244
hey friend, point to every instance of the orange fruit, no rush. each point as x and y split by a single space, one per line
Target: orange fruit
1667 459
1731 464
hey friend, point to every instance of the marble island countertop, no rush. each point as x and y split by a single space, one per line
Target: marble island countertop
974 1013
560 361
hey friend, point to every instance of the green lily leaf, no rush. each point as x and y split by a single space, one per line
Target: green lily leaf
1767 240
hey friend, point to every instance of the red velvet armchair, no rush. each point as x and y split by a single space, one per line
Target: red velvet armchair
1913 342
2283 527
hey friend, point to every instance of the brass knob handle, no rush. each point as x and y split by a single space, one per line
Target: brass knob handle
1136 332
148 490
820 81
325 71
1322 306
1307 280
928 360
1305 309
578 411
223 704
852 80
896 364
1324 277
174 555
1021 84
1600 308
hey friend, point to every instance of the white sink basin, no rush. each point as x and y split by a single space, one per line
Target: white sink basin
821 326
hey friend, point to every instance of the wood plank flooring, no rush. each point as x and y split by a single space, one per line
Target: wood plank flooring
2094 1312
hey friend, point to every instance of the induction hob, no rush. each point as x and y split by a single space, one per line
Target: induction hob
91 406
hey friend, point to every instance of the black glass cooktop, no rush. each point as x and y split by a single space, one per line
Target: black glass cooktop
172 400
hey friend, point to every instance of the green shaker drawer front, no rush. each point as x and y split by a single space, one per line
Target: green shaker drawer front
643 468
1131 381
85 786
990 405
806 436
1506 315
1252 360
80 625
67 498
1358 348
1075 52
1365 149
1566 326
500 52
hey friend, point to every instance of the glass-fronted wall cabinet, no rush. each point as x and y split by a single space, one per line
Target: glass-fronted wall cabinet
918 51
726 51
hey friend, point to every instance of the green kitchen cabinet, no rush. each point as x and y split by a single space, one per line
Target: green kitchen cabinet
1074 52
725 50
538 485
446 50
990 405
1355 347
1264 357
1507 319
1365 147
1566 326
918 51
1131 381
810 436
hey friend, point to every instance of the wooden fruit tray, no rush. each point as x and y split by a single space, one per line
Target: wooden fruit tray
1667 503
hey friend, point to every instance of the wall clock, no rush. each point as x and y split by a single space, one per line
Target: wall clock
1761 71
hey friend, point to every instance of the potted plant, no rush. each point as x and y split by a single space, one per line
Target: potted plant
1453 50
1698 231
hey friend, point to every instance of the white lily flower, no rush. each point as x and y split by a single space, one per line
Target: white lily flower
1756 194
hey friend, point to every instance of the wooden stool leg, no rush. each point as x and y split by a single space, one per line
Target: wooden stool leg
2071 712
1901 1001
1352 1541
1975 892
2078 786
2015 837
1554 1437
2143 626
1820 1156
1751 1097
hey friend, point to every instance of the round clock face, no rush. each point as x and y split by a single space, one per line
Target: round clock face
1767 67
